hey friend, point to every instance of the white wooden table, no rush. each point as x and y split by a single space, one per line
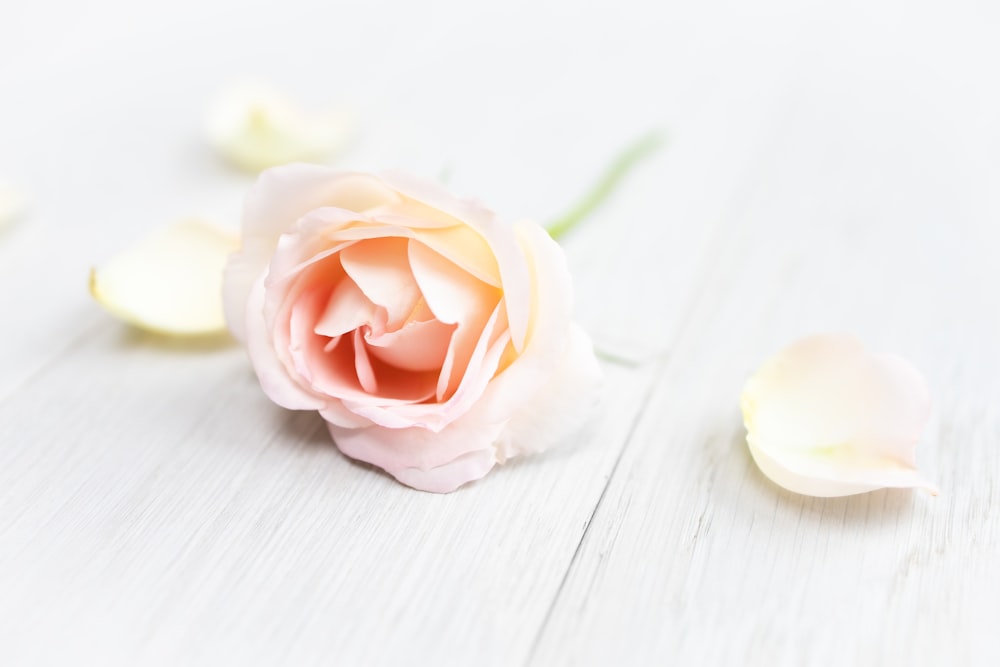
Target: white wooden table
830 168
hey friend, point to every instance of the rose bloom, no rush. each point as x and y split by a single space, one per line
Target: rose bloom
434 339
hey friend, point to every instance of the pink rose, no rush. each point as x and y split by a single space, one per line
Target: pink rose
434 339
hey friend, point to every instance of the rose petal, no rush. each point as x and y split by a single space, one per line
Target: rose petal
302 248
509 260
343 371
363 365
551 303
417 346
279 198
448 477
430 201
12 204
254 126
305 347
557 363
457 298
347 309
483 363
460 245
559 406
841 472
380 268
274 377
457 242
170 282
280 305
452 294
335 373
548 390
438 462
825 417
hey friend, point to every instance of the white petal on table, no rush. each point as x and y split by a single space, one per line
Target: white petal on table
826 417
12 205
255 127
170 282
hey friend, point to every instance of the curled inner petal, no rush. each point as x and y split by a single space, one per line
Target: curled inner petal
347 308
380 269
363 365
455 297
416 346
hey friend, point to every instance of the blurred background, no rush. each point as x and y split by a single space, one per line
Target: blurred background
522 104
523 101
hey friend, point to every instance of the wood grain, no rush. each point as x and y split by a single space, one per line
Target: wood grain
693 556
827 169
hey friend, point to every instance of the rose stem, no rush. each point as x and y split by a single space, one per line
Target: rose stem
628 158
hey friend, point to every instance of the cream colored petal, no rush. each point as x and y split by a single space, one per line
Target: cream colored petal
417 346
170 282
12 204
460 244
379 267
508 258
835 473
255 127
455 297
826 417
550 304
347 309
278 203
560 405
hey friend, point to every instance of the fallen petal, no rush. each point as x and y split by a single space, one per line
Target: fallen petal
255 127
826 417
12 205
170 282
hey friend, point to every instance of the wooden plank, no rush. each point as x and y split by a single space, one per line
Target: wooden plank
182 518
156 509
874 214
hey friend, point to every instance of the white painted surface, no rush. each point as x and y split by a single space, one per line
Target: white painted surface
830 168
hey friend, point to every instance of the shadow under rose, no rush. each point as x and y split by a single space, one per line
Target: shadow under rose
307 432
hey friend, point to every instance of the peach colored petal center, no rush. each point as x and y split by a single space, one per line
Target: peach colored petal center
386 321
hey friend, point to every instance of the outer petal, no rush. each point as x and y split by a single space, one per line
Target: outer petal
825 417
274 378
558 406
445 479
548 333
277 200
429 461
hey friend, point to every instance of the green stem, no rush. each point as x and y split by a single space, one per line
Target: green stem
627 159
